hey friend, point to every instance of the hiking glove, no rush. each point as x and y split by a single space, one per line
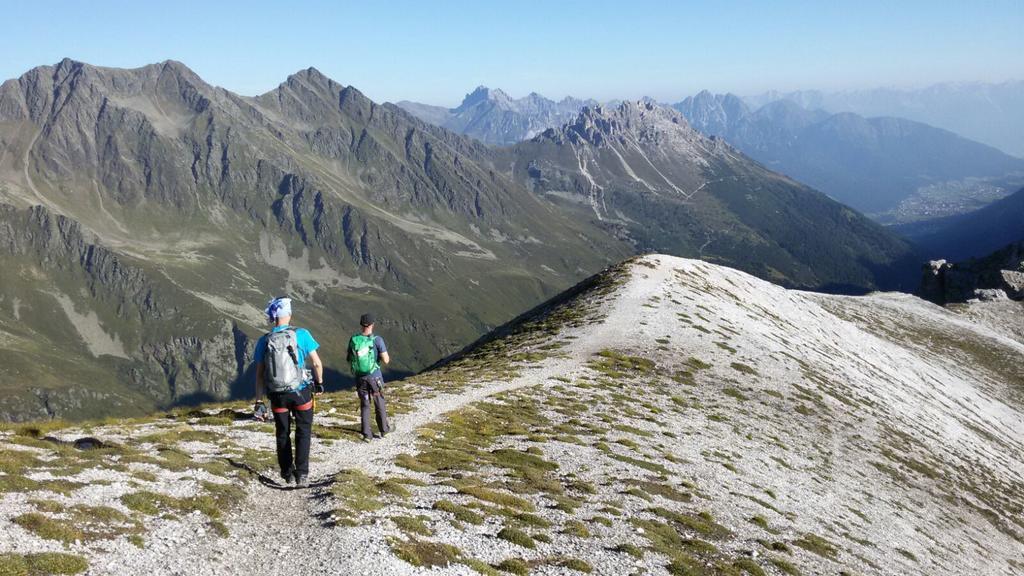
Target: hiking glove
318 387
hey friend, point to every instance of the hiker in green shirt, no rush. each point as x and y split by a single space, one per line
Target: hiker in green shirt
366 352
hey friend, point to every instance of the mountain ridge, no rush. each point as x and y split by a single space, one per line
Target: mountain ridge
221 201
635 399
982 111
493 117
308 189
628 158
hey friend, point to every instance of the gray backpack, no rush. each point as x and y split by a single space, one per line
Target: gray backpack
282 361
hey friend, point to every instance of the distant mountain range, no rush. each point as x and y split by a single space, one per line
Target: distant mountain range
895 169
491 116
146 217
991 113
872 164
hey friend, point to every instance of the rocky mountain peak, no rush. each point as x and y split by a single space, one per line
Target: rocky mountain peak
640 119
312 77
483 94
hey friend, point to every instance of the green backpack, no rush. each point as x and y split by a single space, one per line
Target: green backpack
363 351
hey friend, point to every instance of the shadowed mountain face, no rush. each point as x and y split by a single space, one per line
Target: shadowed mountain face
491 116
146 217
644 173
872 164
971 235
167 211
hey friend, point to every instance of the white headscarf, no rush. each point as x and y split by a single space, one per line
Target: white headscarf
278 308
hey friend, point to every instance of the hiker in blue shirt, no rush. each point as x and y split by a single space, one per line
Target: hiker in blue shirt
366 352
280 358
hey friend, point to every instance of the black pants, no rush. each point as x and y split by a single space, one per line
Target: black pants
297 405
371 389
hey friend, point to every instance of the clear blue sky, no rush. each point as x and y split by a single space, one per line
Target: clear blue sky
434 51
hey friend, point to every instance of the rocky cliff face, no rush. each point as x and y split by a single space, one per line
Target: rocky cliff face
997 276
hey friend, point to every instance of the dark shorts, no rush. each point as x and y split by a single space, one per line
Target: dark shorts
299 401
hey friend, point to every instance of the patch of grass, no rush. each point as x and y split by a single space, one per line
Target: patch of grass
356 493
734 393
48 528
702 523
514 566
785 566
534 520
662 489
817 544
566 504
480 566
617 365
682 552
425 553
461 513
645 464
759 521
697 363
496 497
743 368
576 528
907 554
726 347
42 564
582 486
516 536
50 506
394 488
631 549
13 565
749 566
413 463
413 525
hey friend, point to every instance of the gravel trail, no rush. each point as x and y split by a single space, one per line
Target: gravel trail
281 531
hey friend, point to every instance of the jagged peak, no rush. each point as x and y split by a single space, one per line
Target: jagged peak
312 77
484 94
598 123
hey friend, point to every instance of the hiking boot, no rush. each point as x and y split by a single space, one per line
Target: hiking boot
287 477
367 439
301 480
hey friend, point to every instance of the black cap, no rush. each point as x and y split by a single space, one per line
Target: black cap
366 319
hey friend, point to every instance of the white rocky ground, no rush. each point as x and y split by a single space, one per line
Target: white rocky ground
677 417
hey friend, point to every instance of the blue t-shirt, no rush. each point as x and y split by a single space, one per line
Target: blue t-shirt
303 338
381 347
